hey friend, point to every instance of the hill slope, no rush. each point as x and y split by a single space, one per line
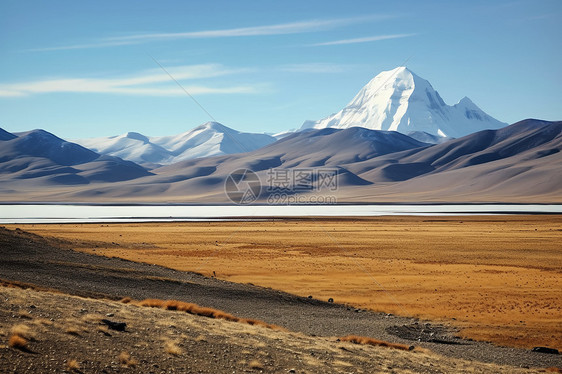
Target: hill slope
43 158
518 163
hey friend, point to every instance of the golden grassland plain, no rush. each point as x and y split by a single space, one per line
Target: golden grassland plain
498 278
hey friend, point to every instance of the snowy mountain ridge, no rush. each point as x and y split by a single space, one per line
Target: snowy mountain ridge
399 100
209 139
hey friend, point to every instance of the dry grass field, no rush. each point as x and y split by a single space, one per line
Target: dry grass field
499 278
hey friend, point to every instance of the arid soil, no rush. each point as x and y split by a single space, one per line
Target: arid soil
65 333
29 260
498 278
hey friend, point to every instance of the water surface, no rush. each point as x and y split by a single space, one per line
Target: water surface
63 213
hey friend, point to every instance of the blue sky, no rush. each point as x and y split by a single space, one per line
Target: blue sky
84 69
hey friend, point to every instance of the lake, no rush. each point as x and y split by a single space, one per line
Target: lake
67 213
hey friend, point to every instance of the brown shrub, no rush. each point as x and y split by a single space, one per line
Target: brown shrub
256 365
22 330
203 311
42 322
257 322
179 306
370 341
73 365
172 348
73 331
126 360
200 311
24 314
152 303
18 342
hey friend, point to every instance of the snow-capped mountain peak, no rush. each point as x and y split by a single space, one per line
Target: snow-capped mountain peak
136 136
208 139
400 100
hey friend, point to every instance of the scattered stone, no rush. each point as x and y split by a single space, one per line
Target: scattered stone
330 300
426 333
551 351
109 315
117 326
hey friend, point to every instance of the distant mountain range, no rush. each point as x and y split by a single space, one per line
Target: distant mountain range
399 100
395 100
397 141
39 157
518 163
209 139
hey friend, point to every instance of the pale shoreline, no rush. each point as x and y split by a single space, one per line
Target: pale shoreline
72 213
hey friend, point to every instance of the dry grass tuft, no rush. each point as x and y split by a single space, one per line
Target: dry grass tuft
200 338
73 331
126 360
22 330
151 303
257 322
92 318
200 311
20 335
42 322
256 365
18 342
379 343
104 330
73 365
24 314
172 348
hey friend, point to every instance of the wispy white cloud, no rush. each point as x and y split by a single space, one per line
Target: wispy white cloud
97 44
153 82
276 29
317 67
364 39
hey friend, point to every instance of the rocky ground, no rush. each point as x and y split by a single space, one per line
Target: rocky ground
63 327
66 334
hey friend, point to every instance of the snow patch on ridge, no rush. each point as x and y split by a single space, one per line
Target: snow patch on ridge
399 100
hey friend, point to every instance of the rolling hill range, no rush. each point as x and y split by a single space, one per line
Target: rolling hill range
519 163
39 157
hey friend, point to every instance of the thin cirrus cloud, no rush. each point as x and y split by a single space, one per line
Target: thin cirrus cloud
364 39
151 82
275 29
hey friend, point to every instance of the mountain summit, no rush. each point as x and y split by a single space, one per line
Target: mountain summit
208 139
399 100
